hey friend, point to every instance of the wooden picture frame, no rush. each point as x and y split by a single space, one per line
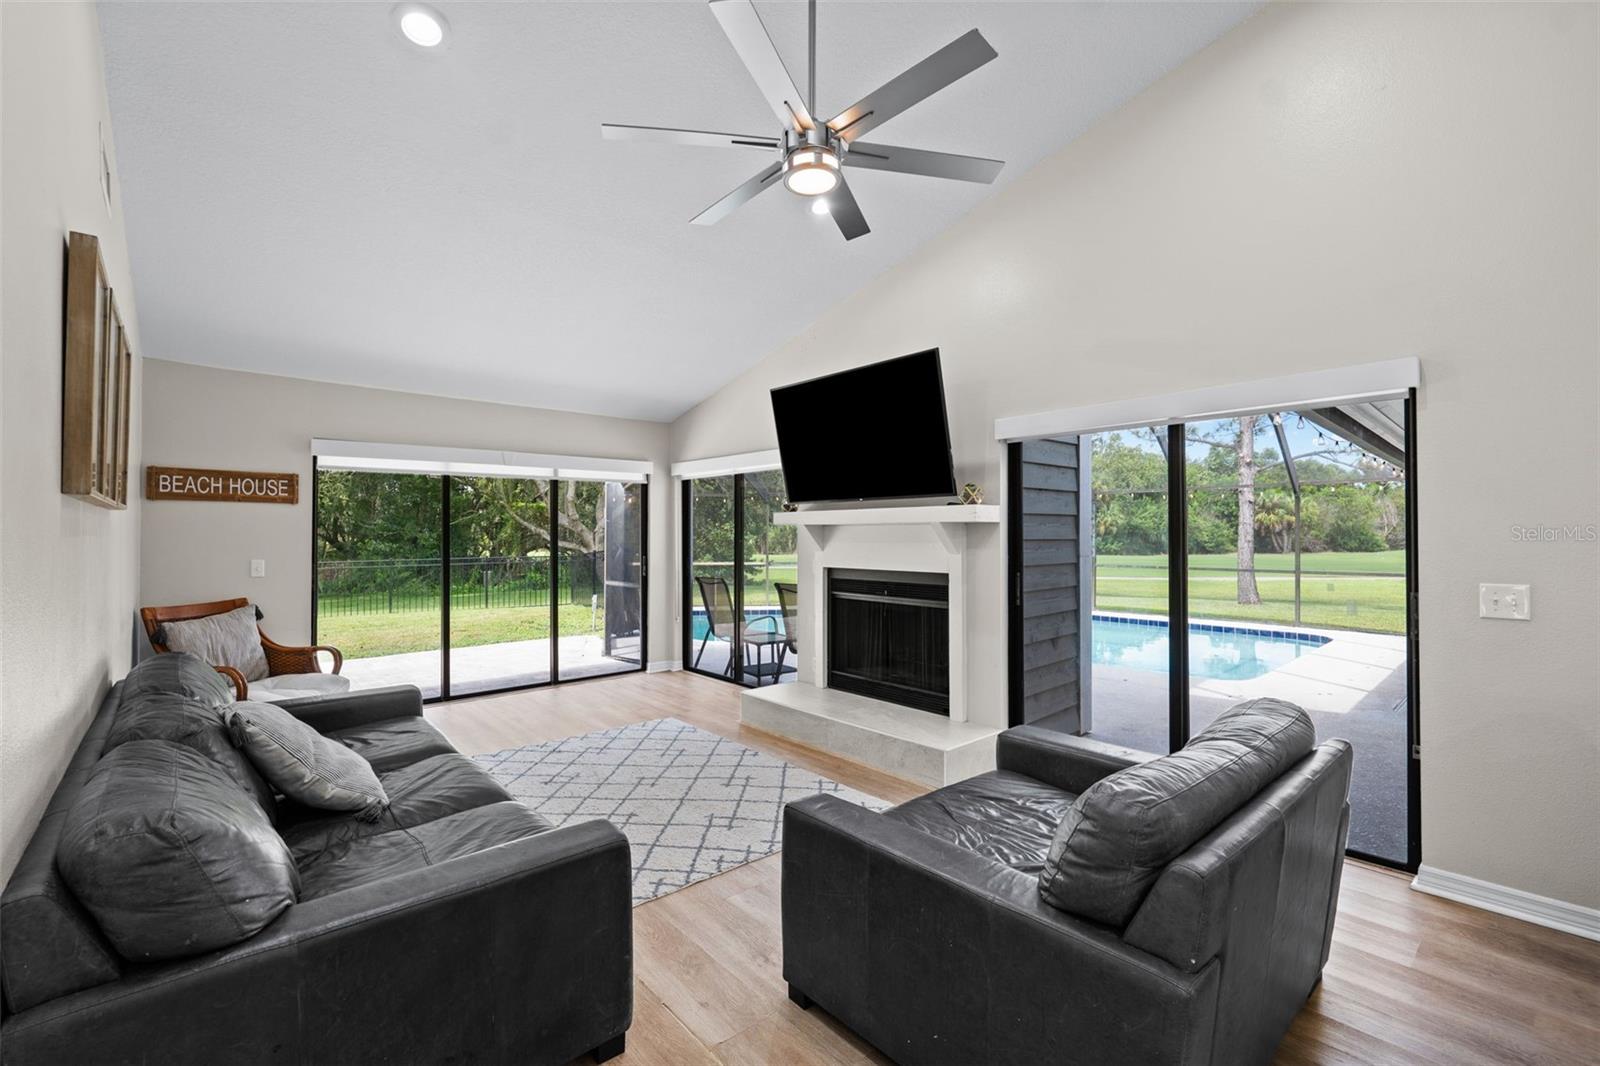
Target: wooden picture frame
124 416
96 382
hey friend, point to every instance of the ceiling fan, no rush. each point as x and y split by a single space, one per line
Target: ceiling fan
810 154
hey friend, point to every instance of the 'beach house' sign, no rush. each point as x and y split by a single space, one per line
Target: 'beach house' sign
228 486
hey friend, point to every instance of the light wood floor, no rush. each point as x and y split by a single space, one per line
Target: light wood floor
1412 978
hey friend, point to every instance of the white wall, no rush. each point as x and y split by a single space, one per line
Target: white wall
1326 185
68 569
205 417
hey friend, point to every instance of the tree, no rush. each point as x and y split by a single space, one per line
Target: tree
1246 446
1231 458
1275 519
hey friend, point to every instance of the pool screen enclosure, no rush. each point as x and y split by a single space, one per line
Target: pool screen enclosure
1160 574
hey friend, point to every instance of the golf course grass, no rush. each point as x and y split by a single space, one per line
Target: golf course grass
1338 590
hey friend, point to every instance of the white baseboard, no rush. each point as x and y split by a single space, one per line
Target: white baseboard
1513 902
664 666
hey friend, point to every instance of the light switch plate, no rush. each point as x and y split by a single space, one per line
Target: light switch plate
258 568
1504 601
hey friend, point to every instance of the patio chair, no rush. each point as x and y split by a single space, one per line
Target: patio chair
789 600
292 670
721 622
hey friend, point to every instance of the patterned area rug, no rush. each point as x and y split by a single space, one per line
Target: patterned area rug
693 804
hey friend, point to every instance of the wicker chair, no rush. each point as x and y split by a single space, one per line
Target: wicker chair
282 659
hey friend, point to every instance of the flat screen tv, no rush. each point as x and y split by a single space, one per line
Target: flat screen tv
876 432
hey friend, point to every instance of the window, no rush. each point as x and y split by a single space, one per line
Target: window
739 566
463 585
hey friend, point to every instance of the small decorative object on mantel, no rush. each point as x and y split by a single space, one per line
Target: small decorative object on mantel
971 493
225 486
96 382
790 506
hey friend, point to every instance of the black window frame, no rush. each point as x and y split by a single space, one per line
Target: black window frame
445 695
1178 724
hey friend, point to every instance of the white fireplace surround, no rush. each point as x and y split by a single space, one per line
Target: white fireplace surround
927 540
903 740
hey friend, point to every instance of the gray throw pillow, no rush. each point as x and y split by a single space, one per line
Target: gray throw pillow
303 764
229 639
171 856
183 720
1124 829
180 673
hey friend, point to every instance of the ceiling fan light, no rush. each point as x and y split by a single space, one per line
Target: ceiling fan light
819 206
811 171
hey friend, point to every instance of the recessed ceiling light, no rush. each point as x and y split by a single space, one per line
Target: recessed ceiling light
819 206
420 24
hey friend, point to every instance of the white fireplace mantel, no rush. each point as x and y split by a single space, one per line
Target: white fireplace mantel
957 513
948 522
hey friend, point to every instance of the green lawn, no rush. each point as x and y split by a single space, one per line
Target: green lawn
361 636
1334 593
759 579
1334 589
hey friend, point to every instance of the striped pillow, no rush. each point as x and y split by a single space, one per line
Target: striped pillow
303 764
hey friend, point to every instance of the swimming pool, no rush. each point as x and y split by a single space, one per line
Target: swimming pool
1221 652
756 617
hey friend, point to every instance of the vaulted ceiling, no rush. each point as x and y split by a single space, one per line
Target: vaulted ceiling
305 193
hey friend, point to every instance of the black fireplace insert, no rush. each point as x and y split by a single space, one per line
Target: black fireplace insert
889 637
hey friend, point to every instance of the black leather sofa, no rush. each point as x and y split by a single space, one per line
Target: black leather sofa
483 934
924 928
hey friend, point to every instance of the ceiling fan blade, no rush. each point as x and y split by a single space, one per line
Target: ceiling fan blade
846 212
749 38
690 138
871 156
744 193
951 63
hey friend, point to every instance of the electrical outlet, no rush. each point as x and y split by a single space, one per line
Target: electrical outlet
258 568
1504 601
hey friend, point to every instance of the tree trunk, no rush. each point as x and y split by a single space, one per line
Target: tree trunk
1247 510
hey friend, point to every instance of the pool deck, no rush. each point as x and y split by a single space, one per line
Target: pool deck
1354 687
491 666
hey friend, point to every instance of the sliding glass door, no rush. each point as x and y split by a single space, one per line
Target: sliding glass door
466 585
739 579
500 583
601 621
378 562
1294 580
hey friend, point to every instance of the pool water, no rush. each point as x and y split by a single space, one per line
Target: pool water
754 617
1221 652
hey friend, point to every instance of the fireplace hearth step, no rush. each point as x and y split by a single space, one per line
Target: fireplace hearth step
903 741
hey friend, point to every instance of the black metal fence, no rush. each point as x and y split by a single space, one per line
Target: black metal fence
383 586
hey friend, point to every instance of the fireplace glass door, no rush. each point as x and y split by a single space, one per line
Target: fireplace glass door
889 637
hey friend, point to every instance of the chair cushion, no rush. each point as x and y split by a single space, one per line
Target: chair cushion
183 720
302 763
1003 816
1123 830
280 687
366 859
182 673
425 791
171 856
227 639
396 742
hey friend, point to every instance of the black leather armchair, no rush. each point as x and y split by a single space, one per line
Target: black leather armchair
923 928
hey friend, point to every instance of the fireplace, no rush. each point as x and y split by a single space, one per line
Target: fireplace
889 636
